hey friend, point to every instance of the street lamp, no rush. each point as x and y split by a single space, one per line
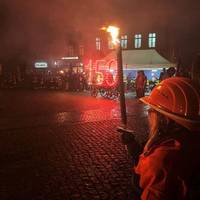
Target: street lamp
115 32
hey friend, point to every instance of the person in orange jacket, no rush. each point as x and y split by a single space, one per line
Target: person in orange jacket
169 166
140 84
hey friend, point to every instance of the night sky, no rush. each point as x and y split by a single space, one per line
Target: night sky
40 27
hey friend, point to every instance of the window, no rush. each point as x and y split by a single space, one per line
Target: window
98 44
71 50
110 44
152 40
138 40
81 50
124 41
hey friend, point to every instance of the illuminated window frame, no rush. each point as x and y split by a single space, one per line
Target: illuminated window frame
98 44
138 40
110 44
71 50
124 41
152 40
81 50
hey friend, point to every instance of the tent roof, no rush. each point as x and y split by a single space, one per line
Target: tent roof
141 59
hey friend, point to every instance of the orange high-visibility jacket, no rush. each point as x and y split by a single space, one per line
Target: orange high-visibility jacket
167 167
140 81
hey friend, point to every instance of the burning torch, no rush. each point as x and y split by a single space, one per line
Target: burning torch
127 136
114 32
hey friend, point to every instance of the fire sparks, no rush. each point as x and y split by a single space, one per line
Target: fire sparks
114 32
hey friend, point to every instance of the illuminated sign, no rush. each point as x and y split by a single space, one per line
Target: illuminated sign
70 58
41 65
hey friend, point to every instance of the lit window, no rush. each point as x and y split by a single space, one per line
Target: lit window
81 50
110 44
152 40
124 41
71 50
98 44
138 40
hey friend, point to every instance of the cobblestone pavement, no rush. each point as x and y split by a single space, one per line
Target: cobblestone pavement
67 155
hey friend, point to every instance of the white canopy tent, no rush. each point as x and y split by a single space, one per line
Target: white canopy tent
147 59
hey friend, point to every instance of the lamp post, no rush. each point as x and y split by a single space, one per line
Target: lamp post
114 32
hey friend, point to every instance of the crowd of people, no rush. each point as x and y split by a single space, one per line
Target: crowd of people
141 80
68 81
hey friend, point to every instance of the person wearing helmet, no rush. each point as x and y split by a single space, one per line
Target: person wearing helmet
169 165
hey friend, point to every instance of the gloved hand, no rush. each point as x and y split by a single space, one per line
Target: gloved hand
127 137
133 146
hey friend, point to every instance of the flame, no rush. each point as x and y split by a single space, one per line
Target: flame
114 32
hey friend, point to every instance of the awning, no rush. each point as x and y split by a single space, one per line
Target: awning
141 59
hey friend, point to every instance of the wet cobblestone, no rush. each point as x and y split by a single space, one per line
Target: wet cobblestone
67 155
68 162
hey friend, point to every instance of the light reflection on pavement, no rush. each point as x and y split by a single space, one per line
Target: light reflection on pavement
87 109
65 146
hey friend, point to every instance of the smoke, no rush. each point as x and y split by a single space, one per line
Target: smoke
41 28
